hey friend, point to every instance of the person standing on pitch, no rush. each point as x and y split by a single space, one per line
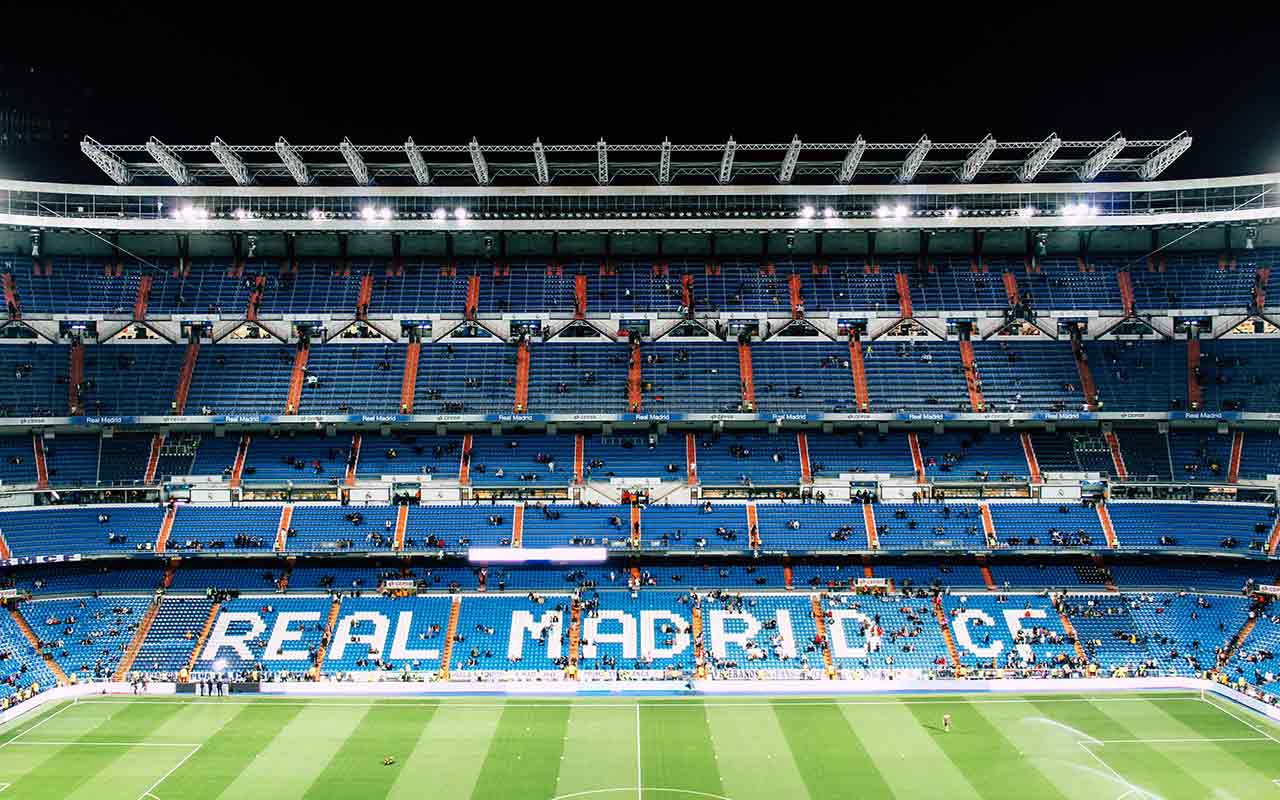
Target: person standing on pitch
946 723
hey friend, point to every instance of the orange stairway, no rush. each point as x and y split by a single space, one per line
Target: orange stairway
1108 580
364 297
580 296
1237 450
579 449
1104 519
916 458
1274 540
794 285
473 297
747 377
869 522
409 381
521 404
76 378
5 553
135 644
464 464
1263 275
184 378
788 579
451 633
637 532
987 579
242 452
1117 456
1126 291
11 298
1087 385
698 655
353 463
634 381
293 404
282 529
753 527
1237 641
327 639
859 368
904 294
575 637
204 636
140 302
976 401
517 525
941 616
1071 631
1011 289
820 622
21 622
402 524
988 525
691 458
802 444
153 458
166 528
1033 464
1193 368
255 298
42 467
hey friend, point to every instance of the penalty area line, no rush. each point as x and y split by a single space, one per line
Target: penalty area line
150 792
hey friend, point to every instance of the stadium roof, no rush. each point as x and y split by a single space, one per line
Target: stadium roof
666 162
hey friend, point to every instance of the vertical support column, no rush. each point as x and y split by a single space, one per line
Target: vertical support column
409 381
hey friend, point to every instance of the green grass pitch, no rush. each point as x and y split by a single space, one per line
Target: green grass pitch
1132 746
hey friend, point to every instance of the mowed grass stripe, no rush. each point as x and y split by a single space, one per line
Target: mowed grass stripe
60 721
69 767
834 763
676 751
599 749
356 770
989 761
1145 766
225 755
906 753
755 758
524 754
449 754
292 760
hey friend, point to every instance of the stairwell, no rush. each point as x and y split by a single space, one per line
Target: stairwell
988 526
904 294
1240 637
166 528
859 368
1237 451
1108 580
637 533
327 639
971 377
1117 456
691 458
76 371
451 632
699 658
1033 463
282 529
820 622
143 297
184 378
747 376
293 404
364 298
409 380
473 297
5 553
204 636
988 579
753 527
255 298
580 296
1273 542
242 452
575 638
869 522
1087 386
53 665
1011 289
1071 632
42 467
914 442
579 451
795 289
806 468
634 380
153 459
521 404
1104 519
517 525
135 644
1126 291
11 300
464 463
941 616
353 461
1194 399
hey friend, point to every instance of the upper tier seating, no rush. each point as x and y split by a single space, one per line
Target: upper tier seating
422 289
207 288
566 525
129 379
691 528
803 377
123 460
860 452
973 455
467 378
588 378
71 530
72 460
241 379
77 285
1139 376
1239 374
696 377
326 528
820 527
1198 455
353 378
17 460
929 526
1028 376
410 454
627 456
915 375
313 289
301 457
952 283
224 528
1260 455
549 458
33 380
1204 526
1050 524
724 459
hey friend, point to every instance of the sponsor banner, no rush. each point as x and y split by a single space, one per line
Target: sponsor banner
1267 588
8 594
515 418
874 583
399 584
235 687
26 560
925 416
789 417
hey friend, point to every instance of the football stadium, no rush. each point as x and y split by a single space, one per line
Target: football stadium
846 467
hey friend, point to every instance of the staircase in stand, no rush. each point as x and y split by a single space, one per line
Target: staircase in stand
1193 377
464 462
634 382
135 644
1108 580
580 296
12 303
1104 519
575 637
753 527
988 526
242 452
914 442
353 460
517 525
53 665
521 404
451 632
327 640
698 655
1011 289
402 525
1273 542
1126 291
1087 386
473 297
1033 463
820 622
1237 450
42 467
691 457
1071 632
282 529
941 616
747 377
184 378
1239 639
1117 456
409 381
143 297
5 552
869 522
859 368
797 299
806 468
76 378
976 401
988 579
364 297
166 528
637 533
579 456
204 636
153 458
904 294
293 404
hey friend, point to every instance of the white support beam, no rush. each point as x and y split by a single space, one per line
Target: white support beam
849 167
540 171
478 163
1160 160
973 164
355 162
726 161
419 165
293 162
913 161
790 160
168 161
107 161
1100 158
664 163
602 162
230 161
1039 158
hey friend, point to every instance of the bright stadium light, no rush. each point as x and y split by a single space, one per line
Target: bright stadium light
829 212
439 215
460 214
317 214
1027 212
367 213
883 211
901 210
807 212
519 555
952 213
384 213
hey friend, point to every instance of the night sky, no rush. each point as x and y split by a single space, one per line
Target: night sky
378 76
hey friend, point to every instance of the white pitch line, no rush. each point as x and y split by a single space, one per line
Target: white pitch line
152 787
1132 789
1233 715
1176 741
30 743
639 779
37 725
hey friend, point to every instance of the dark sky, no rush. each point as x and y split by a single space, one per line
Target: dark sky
442 77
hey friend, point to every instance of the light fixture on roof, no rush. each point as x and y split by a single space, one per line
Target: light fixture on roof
384 213
460 213
317 214
807 212
883 211
829 212
901 210
367 213
1027 212
1250 237
439 215
952 213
